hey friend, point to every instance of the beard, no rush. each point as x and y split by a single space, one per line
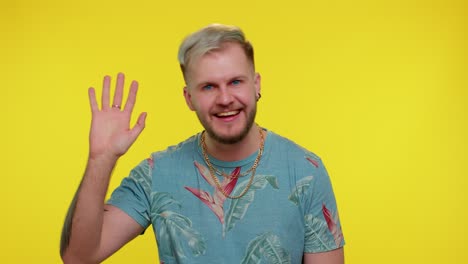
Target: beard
231 139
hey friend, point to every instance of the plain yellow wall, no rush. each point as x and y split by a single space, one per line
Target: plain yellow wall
378 89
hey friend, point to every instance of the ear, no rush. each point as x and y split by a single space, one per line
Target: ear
188 98
257 83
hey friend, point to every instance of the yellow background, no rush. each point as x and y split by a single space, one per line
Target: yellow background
378 89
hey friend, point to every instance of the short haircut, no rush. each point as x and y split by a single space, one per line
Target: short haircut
211 38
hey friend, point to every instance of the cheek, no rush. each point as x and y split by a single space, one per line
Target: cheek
200 104
247 98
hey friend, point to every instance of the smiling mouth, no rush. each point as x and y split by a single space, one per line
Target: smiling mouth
228 114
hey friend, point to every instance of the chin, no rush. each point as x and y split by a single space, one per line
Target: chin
231 138
231 135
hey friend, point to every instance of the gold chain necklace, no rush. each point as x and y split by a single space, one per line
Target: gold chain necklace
252 169
222 173
225 175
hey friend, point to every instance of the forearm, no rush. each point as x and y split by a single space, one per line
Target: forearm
81 233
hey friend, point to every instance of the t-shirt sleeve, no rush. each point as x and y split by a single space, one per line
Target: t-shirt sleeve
133 194
321 220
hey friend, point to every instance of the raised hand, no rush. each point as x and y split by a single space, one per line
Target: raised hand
110 134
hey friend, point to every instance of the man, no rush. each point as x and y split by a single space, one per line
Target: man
235 193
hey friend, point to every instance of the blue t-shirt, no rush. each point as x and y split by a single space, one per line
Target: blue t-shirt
288 210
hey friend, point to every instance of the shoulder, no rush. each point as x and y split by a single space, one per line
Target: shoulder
165 159
284 146
185 147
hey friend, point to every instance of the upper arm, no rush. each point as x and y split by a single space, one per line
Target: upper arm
329 257
126 213
118 229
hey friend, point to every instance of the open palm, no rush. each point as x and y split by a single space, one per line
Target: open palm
110 133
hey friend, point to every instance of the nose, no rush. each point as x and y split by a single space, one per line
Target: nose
224 96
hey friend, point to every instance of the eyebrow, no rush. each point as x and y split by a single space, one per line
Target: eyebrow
237 77
240 77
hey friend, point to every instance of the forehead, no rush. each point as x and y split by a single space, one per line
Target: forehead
220 64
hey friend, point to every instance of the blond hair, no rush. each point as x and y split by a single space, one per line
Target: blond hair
211 38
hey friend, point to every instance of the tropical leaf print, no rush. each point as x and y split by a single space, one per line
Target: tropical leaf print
302 187
216 201
150 161
273 181
227 185
205 173
208 200
317 236
142 175
175 230
332 220
266 248
313 161
175 234
239 206
312 158
160 202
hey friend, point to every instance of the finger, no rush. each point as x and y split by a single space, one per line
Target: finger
139 126
92 100
119 90
131 97
105 92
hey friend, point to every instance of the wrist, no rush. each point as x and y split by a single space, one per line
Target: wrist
103 162
102 158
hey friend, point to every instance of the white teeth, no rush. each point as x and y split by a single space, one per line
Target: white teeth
228 113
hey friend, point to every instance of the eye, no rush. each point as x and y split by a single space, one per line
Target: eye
207 87
236 82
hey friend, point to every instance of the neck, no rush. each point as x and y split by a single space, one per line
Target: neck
237 151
